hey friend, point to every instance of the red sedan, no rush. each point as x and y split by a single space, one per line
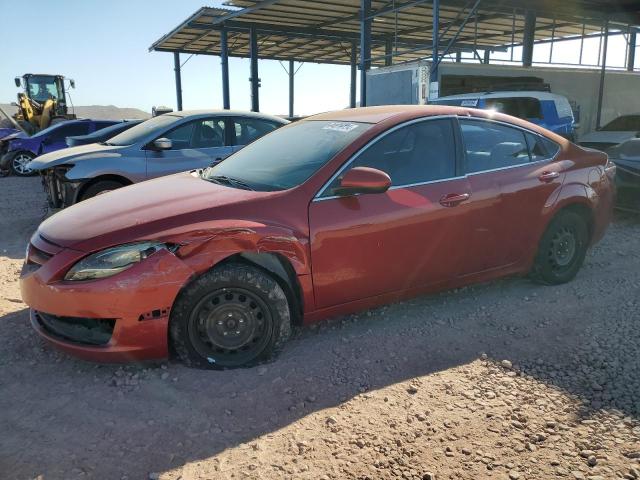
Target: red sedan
336 213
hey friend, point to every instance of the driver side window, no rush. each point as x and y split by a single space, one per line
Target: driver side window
417 153
181 137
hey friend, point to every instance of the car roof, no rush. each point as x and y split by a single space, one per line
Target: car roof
505 94
387 112
395 114
225 113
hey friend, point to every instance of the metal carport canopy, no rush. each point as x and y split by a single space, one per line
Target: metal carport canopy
323 31
381 32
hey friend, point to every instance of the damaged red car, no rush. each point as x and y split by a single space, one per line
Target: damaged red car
333 214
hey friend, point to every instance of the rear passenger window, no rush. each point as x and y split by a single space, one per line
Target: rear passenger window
250 129
489 146
101 125
418 153
541 148
521 107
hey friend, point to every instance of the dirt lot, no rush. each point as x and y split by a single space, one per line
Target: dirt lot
508 380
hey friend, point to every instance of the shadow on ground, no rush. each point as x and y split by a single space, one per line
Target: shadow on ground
106 421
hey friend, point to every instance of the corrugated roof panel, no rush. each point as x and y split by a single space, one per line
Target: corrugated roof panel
323 30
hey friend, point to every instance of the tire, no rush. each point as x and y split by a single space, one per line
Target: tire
562 249
102 186
18 163
235 315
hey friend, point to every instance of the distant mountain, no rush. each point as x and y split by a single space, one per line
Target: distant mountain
98 112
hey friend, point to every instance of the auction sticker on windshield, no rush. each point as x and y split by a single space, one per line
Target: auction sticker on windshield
340 126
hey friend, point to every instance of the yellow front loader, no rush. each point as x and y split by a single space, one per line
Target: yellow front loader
43 101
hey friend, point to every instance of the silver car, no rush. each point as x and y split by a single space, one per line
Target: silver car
169 143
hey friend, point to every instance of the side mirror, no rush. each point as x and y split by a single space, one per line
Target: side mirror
18 82
363 180
163 143
72 83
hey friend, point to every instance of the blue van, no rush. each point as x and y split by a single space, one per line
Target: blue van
548 110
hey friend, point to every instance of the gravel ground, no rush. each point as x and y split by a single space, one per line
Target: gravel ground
507 380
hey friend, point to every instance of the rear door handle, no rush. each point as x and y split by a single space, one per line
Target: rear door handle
454 199
547 177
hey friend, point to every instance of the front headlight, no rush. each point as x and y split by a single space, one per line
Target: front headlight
114 260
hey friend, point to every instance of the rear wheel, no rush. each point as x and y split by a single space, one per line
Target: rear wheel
100 187
562 249
18 162
235 315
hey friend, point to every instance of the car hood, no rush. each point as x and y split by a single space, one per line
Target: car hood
147 210
12 136
75 154
607 137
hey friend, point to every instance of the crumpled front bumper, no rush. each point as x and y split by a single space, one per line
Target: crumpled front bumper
138 301
60 192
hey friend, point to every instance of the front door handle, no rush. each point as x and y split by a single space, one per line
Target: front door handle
547 177
454 199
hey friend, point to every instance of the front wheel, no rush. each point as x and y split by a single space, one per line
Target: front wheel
100 187
18 162
562 249
235 315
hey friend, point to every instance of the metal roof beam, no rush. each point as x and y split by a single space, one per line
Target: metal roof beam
264 57
244 11
339 35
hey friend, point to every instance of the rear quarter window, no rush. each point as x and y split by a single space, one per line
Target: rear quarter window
541 148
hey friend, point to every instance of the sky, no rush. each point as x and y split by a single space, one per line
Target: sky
103 46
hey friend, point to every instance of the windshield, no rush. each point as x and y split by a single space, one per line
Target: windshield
42 87
112 130
49 129
627 123
288 156
141 131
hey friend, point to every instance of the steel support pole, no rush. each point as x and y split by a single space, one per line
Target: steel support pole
603 70
254 79
176 69
365 48
529 38
292 74
458 57
434 88
487 56
388 52
354 75
631 52
224 63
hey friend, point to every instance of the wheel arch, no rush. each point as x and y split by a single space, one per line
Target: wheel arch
101 178
577 198
283 272
584 210
276 265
